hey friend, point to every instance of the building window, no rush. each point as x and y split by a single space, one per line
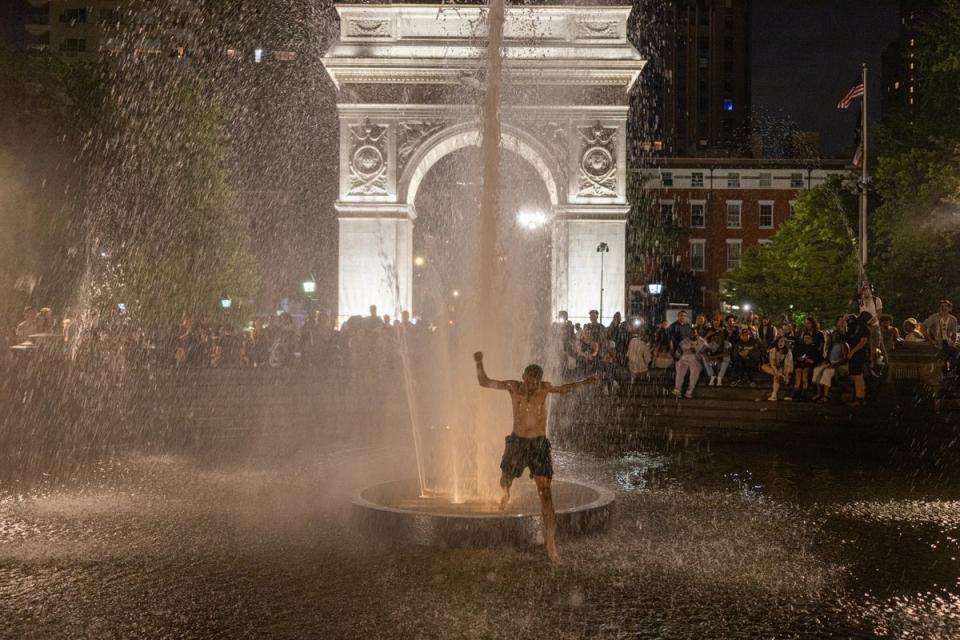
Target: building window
285 56
698 255
733 180
637 297
796 181
258 55
733 254
696 180
698 214
791 208
666 213
766 180
73 45
734 210
73 17
766 215
764 242
666 179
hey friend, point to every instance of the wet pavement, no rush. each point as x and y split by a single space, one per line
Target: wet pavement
733 543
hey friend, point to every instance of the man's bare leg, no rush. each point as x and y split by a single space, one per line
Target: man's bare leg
505 482
549 516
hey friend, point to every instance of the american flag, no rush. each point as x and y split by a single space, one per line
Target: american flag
853 94
858 156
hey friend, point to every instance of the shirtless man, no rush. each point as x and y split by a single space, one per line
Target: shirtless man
528 446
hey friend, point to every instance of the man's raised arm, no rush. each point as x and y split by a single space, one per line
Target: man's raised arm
482 375
570 386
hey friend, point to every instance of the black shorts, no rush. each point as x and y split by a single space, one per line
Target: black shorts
519 453
858 363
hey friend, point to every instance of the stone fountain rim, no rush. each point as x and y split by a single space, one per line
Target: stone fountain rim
605 497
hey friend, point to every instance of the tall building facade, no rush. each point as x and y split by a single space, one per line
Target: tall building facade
900 67
702 83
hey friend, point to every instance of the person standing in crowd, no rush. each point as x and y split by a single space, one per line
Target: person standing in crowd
807 356
679 330
824 373
618 335
941 331
716 356
872 305
858 345
766 334
562 342
689 363
746 356
888 333
779 365
639 356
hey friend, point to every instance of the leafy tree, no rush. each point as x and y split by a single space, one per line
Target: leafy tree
165 222
810 266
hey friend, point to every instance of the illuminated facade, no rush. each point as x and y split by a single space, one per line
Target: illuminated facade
409 78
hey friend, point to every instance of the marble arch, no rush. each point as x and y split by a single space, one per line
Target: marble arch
402 72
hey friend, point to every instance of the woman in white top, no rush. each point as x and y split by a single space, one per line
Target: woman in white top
779 364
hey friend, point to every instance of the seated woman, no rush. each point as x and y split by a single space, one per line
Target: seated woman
779 365
716 357
807 355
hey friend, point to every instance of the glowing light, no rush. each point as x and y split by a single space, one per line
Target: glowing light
531 219
747 307
309 286
655 288
419 261
456 293
258 55
226 302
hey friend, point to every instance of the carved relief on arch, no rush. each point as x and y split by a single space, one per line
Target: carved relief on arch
598 161
410 135
368 159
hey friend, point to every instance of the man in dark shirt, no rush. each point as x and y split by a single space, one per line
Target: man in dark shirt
679 330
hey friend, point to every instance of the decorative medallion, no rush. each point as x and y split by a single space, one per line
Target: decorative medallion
368 163
409 137
605 29
368 29
598 164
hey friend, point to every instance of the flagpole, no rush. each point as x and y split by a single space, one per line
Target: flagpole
864 179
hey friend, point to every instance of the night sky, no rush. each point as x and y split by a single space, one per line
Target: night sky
806 54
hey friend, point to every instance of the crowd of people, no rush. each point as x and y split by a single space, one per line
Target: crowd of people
802 361
265 342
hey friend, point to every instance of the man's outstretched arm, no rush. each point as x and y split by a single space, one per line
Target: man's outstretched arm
485 381
570 386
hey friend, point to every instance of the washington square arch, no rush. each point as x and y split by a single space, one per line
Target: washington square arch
401 71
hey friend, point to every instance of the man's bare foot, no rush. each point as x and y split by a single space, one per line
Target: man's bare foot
552 552
505 501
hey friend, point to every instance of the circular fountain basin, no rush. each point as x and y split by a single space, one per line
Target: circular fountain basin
397 511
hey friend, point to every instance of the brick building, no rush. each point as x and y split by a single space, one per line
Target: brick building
724 207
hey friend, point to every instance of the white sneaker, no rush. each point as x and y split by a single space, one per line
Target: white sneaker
713 381
676 393
689 394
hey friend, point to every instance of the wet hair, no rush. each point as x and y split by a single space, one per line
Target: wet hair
534 371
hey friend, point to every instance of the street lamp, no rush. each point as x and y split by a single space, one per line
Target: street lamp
226 302
531 219
654 289
602 249
309 286
419 261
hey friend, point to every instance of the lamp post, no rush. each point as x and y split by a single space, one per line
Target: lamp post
225 302
602 248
